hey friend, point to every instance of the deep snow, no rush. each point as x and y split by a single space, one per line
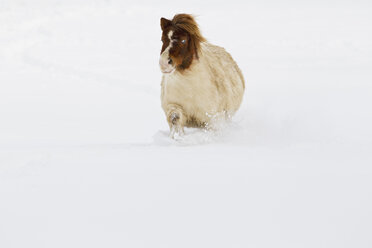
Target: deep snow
85 160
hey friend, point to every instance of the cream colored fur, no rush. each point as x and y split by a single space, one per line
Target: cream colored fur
212 86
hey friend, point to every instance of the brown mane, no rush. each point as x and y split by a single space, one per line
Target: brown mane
187 23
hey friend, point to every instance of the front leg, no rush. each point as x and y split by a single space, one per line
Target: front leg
176 120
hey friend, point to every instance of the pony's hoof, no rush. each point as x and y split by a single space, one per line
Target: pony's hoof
176 132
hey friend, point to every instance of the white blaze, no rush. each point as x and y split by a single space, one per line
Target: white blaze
164 57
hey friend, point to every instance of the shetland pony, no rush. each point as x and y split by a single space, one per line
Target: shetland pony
200 81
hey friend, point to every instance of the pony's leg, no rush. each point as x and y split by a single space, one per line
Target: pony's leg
176 121
172 131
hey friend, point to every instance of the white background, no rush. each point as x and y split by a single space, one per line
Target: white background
85 158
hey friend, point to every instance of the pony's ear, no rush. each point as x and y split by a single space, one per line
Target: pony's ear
164 23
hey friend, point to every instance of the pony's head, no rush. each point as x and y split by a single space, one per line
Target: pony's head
181 43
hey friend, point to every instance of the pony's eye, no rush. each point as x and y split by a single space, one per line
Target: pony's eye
183 41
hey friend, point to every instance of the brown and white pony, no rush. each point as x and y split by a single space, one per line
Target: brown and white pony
200 81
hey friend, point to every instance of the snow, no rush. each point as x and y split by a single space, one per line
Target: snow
85 157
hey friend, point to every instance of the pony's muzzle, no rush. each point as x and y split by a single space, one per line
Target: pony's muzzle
166 64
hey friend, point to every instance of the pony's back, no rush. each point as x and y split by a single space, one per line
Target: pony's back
226 75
